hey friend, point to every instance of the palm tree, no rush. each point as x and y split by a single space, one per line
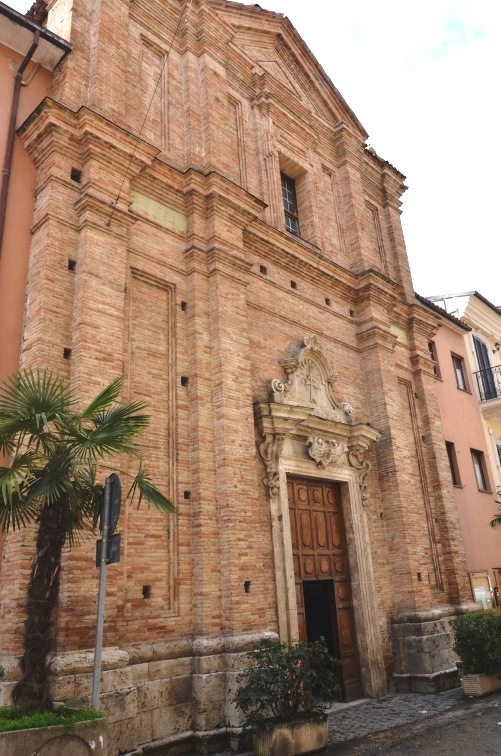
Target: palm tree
55 451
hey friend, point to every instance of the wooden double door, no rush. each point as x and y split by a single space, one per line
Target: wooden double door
323 589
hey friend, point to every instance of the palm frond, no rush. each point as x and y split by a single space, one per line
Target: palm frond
56 450
13 478
87 495
143 485
129 414
103 400
496 520
18 512
29 401
19 506
113 432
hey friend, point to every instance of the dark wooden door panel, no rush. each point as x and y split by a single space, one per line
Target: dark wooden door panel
319 554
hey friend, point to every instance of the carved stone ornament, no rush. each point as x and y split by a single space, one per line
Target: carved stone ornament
308 383
324 452
356 460
270 450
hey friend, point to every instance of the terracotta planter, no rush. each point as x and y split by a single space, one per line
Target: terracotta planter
479 685
303 736
82 739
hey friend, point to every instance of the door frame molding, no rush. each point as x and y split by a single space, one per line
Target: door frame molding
305 431
363 586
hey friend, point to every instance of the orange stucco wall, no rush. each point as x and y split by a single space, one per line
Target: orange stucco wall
463 426
15 248
17 235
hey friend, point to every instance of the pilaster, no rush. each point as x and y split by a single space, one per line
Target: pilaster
376 301
221 402
349 150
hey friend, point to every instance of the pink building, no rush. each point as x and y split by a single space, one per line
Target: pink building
468 455
28 56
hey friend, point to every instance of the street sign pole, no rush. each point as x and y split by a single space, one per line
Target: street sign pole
101 595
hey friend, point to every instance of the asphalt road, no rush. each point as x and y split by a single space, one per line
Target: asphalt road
473 729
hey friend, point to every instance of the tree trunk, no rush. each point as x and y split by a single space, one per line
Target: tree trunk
32 690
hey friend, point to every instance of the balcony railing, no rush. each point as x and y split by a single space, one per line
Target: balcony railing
489 383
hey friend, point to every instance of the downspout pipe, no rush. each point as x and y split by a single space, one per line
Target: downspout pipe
9 149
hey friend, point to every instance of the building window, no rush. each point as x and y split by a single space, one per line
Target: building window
453 463
290 204
459 372
480 469
432 348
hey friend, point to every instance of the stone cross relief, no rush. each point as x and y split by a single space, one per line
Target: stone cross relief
308 383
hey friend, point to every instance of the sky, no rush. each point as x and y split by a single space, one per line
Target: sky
423 79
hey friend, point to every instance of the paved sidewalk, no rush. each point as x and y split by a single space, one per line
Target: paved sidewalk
350 722
361 718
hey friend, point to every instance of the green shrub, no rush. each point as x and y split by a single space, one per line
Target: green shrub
15 719
286 683
477 642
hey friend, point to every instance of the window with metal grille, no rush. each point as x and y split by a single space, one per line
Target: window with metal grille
290 204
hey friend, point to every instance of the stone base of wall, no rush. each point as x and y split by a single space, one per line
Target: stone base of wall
171 697
437 683
422 648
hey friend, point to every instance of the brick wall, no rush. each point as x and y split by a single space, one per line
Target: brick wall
187 282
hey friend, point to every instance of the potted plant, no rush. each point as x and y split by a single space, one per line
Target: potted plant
30 732
477 642
284 696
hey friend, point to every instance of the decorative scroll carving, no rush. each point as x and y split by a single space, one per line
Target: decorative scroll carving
308 383
348 410
324 452
356 460
270 450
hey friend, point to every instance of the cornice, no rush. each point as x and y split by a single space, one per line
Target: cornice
83 134
105 141
224 262
299 257
219 194
50 128
372 333
377 289
96 211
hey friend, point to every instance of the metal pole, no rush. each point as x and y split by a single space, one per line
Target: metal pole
101 596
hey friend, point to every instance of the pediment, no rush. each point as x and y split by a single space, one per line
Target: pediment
302 406
277 69
272 43
308 383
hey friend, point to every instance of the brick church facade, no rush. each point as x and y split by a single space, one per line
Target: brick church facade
210 223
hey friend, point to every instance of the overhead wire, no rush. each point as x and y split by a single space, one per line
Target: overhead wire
131 158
